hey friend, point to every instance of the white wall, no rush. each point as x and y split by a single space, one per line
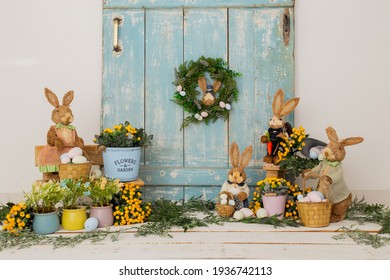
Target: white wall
342 70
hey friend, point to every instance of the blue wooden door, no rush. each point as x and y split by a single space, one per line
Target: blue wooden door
256 37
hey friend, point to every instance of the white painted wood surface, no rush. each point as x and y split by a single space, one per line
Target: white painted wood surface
229 241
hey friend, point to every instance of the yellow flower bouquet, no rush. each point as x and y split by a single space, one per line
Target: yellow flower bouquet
102 190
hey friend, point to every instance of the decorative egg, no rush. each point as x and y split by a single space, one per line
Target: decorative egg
204 114
79 159
232 202
74 152
228 106
238 215
200 118
299 197
96 173
65 159
179 88
182 93
247 212
223 196
197 116
324 200
318 193
305 199
222 104
314 197
261 213
223 201
314 152
91 224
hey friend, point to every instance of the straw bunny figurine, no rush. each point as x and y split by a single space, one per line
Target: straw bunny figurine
277 126
61 136
330 174
209 91
236 177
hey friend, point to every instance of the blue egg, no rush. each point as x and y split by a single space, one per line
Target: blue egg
91 224
313 155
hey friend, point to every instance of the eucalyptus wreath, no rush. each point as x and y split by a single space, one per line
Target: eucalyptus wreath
187 95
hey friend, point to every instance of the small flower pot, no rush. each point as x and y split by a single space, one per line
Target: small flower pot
104 214
74 219
46 223
275 204
122 163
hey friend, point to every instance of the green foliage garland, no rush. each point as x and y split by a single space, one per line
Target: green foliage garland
187 79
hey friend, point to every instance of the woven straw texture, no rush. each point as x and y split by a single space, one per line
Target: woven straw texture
314 214
225 210
74 171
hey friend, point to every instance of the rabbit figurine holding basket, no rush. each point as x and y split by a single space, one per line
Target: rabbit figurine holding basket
330 174
61 136
278 127
235 186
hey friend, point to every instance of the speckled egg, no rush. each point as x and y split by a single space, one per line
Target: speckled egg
79 159
74 152
91 224
261 213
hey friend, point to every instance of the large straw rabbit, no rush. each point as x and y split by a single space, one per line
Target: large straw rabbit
330 174
61 136
277 126
236 177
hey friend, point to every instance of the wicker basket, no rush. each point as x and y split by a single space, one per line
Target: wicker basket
225 210
314 214
74 171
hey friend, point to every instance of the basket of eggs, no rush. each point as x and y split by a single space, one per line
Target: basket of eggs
225 205
74 165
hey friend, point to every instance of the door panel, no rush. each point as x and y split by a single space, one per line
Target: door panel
137 83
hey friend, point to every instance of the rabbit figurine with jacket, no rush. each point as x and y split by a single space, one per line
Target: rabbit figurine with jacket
278 127
236 177
61 137
330 174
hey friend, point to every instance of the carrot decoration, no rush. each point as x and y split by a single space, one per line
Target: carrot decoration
269 147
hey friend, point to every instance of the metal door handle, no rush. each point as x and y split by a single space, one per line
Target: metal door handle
116 48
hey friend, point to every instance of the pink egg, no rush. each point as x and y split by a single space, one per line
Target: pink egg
204 114
314 197
74 152
247 212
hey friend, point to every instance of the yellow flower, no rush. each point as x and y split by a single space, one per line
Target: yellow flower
108 130
139 138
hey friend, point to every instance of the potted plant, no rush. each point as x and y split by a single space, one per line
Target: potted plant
122 150
272 193
101 191
289 154
42 199
73 215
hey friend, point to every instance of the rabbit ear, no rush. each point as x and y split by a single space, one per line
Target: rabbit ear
289 107
234 154
202 84
277 104
68 97
351 141
246 156
216 85
52 97
332 135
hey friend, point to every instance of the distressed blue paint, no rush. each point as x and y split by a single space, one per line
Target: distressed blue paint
205 33
182 164
194 176
164 51
196 3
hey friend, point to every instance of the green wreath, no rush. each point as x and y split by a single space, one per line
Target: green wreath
216 98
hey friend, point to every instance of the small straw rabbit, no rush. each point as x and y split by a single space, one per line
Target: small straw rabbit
277 125
330 174
236 177
61 137
209 91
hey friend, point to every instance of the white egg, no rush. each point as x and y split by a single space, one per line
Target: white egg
223 196
79 159
232 202
65 159
91 224
179 88
261 213
228 106
74 152
247 212
238 215
223 201
182 93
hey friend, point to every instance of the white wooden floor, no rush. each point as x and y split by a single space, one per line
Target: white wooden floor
229 241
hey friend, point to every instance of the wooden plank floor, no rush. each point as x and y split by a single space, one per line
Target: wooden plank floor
229 241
